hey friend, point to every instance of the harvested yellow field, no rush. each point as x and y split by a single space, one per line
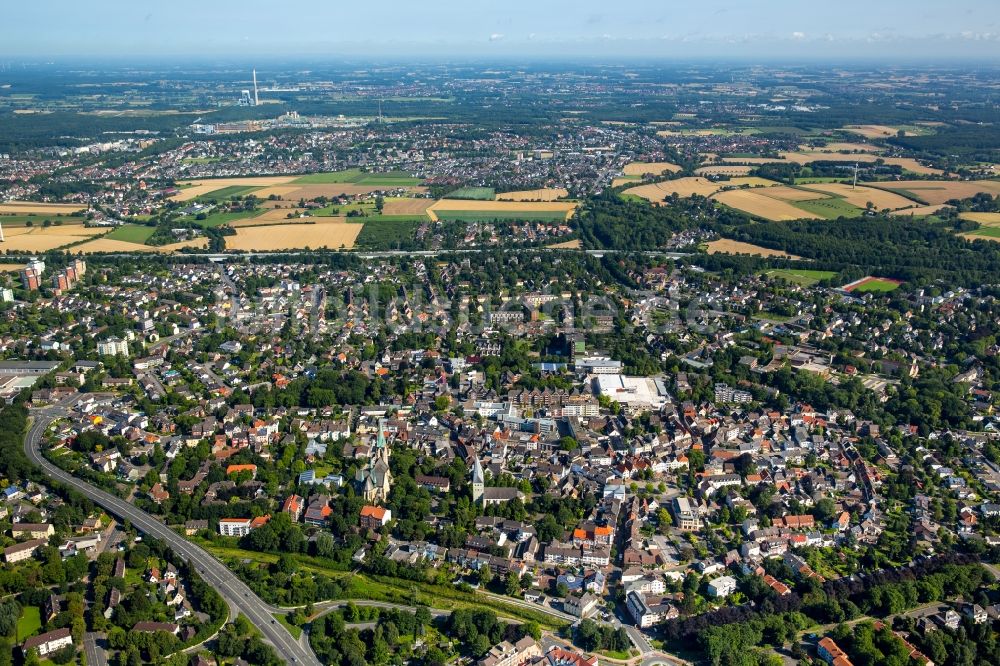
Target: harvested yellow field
786 193
748 181
68 230
202 187
36 243
574 244
32 208
727 246
544 194
281 191
108 245
750 160
808 157
749 201
875 131
724 170
985 219
407 206
683 187
917 211
621 180
655 168
10 268
940 191
273 216
503 206
862 195
838 146
328 232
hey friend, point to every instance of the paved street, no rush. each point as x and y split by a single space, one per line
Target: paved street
240 598
96 656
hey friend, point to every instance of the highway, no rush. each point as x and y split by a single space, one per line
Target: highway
241 598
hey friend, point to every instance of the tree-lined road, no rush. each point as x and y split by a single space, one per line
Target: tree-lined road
241 598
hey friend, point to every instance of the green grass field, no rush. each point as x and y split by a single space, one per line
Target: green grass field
633 198
387 235
986 232
36 220
30 622
132 233
292 629
218 219
358 177
810 180
876 286
479 193
829 209
486 215
806 278
228 192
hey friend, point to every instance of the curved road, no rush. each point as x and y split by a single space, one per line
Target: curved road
240 597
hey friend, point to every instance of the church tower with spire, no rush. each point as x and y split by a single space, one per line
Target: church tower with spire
478 480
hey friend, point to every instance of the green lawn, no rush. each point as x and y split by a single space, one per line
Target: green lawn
228 192
132 233
218 219
876 286
803 277
829 209
36 220
632 197
358 177
485 215
991 232
480 193
30 622
385 234
292 629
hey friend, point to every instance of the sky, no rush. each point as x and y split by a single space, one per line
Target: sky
646 29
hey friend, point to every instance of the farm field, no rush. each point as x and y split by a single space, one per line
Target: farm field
655 168
132 233
808 157
544 194
33 208
37 220
862 195
803 277
989 229
229 192
358 177
280 191
10 268
727 246
683 187
407 206
840 146
479 193
759 205
194 189
876 131
43 239
786 193
218 219
939 191
830 208
918 211
723 170
544 210
386 235
330 232
574 244
103 245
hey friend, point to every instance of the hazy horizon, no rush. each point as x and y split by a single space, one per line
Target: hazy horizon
893 30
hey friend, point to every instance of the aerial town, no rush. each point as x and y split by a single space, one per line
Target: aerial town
614 363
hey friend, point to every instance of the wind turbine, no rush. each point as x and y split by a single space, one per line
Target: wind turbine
855 185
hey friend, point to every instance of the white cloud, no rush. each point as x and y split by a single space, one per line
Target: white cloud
496 37
798 36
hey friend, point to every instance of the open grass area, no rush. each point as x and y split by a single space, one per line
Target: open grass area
218 219
18 220
988 232
132 233
292 629
873 285
228 192
829 209
480 193
486 215
30 622
358 177
386 234
803 277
